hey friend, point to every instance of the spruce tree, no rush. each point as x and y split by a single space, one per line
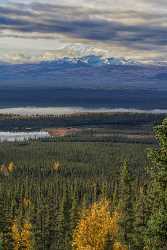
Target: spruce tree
140 218
126 206
156 233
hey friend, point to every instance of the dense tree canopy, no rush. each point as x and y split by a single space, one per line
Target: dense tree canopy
56 195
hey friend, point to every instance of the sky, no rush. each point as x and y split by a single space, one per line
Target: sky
32 31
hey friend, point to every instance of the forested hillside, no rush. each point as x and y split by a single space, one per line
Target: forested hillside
86 195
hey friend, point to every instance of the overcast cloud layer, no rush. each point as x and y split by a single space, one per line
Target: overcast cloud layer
47 29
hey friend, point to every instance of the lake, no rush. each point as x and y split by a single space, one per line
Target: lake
22 136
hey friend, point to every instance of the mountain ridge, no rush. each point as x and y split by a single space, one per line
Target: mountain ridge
86 72
91 60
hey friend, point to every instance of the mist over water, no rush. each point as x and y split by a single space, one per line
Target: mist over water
78 99
30 111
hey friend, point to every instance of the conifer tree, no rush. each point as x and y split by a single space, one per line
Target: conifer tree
140 218
74 211
7 241
1 241
156 234
126 206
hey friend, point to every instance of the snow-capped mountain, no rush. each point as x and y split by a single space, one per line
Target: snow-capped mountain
94 60
91 60
86 81
85 72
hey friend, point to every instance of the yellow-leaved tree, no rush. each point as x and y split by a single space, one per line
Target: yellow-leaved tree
26 202
21 235
56 167
96 228
11 167
16 235
26 235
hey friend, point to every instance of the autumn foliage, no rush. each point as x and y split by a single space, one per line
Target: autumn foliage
7 169
11 167
97 227
26 202
56 167
21 235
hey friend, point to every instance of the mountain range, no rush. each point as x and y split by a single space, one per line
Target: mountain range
91 81
92 72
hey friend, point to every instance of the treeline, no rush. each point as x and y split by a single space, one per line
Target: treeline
60 195
122 120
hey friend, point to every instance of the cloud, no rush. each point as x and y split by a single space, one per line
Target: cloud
86 26
139 27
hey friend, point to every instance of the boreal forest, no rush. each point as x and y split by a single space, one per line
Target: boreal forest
102 187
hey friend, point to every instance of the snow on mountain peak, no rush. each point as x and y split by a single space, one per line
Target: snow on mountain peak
94 60
91 59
